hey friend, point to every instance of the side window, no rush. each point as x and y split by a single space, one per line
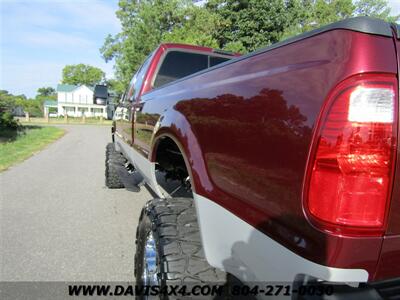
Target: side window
131 89
215 60
137 80
177 64
140 75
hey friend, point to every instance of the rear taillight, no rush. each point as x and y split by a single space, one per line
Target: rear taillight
351 165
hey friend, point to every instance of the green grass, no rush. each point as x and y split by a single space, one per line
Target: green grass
7 134
27 143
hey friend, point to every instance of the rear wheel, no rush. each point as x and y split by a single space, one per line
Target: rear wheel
113 160
168 246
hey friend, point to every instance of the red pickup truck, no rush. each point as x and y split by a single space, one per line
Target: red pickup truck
281 165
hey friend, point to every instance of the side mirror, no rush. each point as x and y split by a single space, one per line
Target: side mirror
100 94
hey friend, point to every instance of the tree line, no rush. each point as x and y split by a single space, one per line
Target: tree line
9 103
233 25
71 74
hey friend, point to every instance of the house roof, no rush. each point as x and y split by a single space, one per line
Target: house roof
70 87
66 87
50 103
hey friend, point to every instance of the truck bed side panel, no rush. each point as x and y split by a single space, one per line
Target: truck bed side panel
254 119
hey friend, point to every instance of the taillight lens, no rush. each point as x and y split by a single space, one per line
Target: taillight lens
351 167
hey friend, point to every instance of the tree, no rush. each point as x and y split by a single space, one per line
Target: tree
306 15
46 91
32 106
143 23
82 74
310 14
235 25
7 101
36 106
147 23
197 28
7 104
249 24
375 8
116 86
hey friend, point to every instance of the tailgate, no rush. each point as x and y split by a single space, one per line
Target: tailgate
389 263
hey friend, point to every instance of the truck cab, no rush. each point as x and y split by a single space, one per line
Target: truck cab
166 64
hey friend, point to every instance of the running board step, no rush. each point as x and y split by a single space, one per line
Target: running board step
131 180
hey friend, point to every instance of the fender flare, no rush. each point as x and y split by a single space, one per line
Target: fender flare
174 125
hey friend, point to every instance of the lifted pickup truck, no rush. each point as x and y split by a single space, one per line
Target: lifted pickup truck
287 161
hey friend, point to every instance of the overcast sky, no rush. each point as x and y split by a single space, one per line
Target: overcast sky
39 37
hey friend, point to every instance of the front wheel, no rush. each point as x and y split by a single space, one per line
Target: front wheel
168 246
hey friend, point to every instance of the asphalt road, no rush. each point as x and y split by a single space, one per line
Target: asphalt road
58 221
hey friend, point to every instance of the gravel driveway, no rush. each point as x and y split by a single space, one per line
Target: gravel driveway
58 222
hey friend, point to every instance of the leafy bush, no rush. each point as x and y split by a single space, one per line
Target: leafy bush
7 121
7 104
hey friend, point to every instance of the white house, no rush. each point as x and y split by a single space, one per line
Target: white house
76 101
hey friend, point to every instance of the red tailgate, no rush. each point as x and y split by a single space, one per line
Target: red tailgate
389 263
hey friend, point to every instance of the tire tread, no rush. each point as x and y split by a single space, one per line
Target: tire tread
181 255
113 158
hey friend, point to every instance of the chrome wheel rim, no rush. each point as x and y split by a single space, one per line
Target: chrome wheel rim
149 276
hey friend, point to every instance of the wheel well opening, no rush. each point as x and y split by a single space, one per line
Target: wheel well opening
171 172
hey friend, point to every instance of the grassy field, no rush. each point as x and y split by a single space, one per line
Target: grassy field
87 121
26 143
